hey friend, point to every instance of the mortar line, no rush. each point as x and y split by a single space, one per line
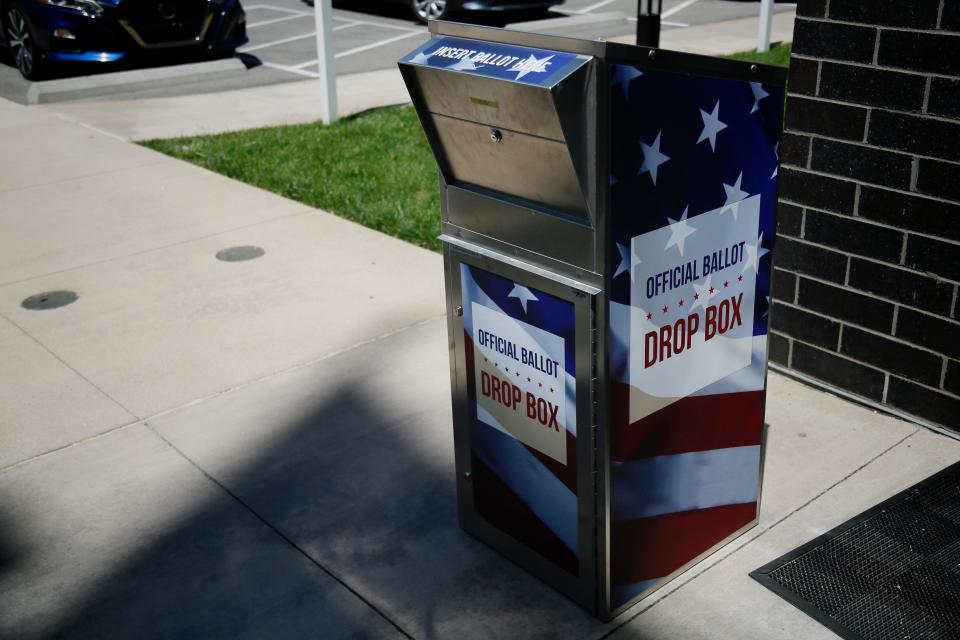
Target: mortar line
813 135
885 27
761 533
69 366
342 582
873 222
888 336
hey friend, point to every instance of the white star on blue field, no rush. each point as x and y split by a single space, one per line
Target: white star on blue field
623 75
711 126
687 144
522 294
652 158
680 230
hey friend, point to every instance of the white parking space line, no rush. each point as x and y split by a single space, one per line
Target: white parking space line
664 22
310 13
602 3
304 65
350 52
677 9
389 26
262 23
302 36
380 43
270 7
265 45
309 68
283 67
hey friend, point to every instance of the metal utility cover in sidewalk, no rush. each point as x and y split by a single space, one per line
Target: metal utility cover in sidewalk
891 572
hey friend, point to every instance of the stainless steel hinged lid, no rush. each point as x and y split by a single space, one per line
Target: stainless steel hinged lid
507 119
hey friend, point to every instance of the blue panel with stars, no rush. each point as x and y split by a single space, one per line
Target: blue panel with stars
494 60
689 145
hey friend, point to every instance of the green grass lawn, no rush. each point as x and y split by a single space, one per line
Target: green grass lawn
375 169
778 55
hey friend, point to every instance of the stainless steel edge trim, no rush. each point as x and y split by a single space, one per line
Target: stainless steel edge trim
580 588
694 64
520 264
602 258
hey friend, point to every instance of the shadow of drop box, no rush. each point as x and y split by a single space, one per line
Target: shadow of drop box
608 220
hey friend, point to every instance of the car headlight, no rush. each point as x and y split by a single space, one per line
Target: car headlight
90 8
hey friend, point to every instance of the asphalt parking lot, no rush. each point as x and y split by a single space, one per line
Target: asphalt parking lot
373 34
283 37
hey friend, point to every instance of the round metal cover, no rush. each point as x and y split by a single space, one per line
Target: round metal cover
49 300
239 254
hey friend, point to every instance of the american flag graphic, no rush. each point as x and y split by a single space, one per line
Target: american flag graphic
693 197
521 489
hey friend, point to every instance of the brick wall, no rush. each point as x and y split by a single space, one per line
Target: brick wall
868 254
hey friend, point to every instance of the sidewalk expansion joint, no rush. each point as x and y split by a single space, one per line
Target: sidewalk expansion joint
305 211
297 367
69 366
74 120
86 176
276 530
745 541
138 420
50 452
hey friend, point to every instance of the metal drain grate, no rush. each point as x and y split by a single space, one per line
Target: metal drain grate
892 572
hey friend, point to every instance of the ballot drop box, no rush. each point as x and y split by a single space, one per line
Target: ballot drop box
608 226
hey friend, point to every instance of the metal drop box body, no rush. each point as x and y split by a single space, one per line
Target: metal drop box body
607 220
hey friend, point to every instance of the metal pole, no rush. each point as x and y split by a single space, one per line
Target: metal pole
766 23
648 24
322 10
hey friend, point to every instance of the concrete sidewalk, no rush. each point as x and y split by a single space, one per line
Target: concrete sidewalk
298 102
259 449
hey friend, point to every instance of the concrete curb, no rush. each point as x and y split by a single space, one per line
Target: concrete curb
266 106
125 81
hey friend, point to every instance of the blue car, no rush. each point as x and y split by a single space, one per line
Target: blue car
40 33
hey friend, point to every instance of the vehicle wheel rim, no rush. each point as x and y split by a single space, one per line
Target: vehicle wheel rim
430 9
19 39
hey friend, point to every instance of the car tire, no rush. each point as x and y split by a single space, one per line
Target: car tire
20 39
424 10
